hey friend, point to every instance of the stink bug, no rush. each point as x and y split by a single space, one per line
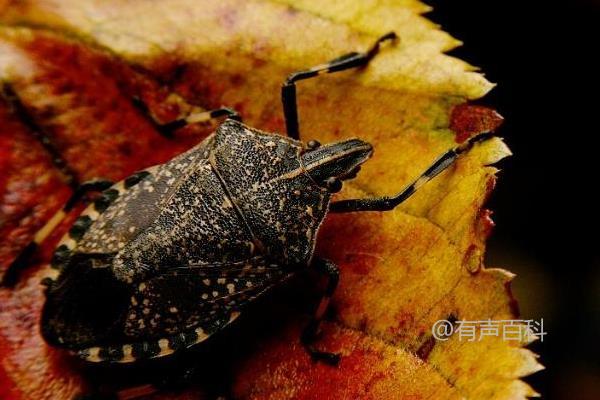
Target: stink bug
171 255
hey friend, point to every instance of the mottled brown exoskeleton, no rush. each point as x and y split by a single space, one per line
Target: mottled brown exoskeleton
171 255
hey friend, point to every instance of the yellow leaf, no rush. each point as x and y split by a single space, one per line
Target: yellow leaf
401 270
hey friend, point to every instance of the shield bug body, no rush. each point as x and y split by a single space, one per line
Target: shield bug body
177 255
171 255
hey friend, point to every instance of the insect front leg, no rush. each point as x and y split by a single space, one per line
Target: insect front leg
310 333
387 203
347 61
11 275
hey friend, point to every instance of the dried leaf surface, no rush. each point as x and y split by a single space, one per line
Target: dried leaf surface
77 64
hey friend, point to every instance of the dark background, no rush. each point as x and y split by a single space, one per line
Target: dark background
544 58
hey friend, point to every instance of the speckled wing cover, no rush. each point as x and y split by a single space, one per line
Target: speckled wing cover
283 206
175 256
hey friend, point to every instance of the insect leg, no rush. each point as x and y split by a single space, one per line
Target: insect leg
94 185
347 61
387 203
310 333
11 275
18 108
167 129
194 118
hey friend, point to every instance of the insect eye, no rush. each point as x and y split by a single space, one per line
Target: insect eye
313 144
333 184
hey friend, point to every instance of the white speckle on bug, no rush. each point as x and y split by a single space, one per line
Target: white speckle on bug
221 281
142 287
205 296
230 288
206 282
92 213
68 242
173 310
309 210
215 293
93 354
127 357
52 273
234 316
163 344
201 335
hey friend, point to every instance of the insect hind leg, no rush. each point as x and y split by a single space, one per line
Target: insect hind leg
11 275
344 62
